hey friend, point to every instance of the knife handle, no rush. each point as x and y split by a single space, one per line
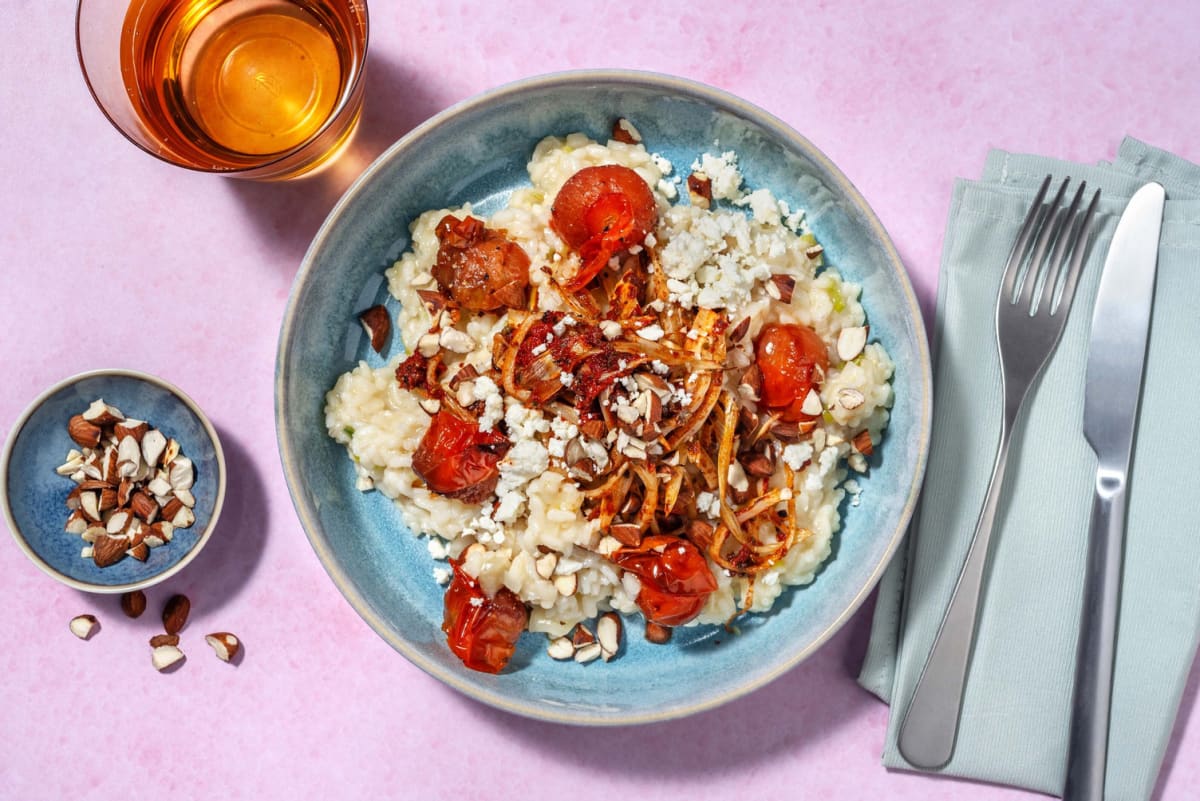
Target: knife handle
1088 745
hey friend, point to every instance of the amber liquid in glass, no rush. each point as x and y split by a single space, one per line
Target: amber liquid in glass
226 83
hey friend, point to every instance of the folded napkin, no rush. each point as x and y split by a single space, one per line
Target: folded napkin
1016 705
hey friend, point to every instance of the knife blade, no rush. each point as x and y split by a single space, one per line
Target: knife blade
1115 366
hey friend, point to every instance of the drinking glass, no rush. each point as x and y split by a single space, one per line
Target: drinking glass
258 89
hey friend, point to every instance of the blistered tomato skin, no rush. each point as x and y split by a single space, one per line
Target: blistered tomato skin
482 269
458 460
675 578
792 360
482 631
601 212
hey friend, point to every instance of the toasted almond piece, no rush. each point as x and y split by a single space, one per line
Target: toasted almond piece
700 189
186 497
566 584
170 451
76 523
430 405
140 552
83 626
86 551
164 656
623 131
108 550
739 331
74 499
159 640
129 457
154 444
72 464
183 518
101 414
89 502
132 428
851 341
224 644
143 506
182 474
82 432
90 534
159 486
545 564
850 398
108 499
159 533
760 466
608 634
428 345
118 522
133 603
378 325
812 404
626 534
657 633
171 508
862 443
784 286
561 648
582 635
175 613
588 653
814 251
456 341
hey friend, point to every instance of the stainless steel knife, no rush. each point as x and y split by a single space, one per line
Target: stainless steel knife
1116 362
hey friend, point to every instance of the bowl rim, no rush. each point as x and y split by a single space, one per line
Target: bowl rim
677 86
19 426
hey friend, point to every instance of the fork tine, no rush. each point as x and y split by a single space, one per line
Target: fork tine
1058 256
1049 231
1020 247
1079 246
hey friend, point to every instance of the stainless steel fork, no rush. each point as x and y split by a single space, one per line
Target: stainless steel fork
1031 312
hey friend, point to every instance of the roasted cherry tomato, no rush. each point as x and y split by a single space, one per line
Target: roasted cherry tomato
788 356
600 212
674 575
458 460
482 631
482 269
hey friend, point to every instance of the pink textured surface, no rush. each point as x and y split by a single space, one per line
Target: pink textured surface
110 258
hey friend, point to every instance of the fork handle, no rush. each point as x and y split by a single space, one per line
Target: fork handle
1087 754
930 726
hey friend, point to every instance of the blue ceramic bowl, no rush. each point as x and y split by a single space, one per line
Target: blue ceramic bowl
34 494
477 151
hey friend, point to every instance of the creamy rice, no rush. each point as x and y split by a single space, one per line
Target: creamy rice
720 258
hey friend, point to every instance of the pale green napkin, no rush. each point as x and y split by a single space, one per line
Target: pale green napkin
1016 705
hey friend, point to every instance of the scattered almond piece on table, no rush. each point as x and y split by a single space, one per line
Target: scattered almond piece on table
175 613
82 626
224 644
164 656
133 603
159 640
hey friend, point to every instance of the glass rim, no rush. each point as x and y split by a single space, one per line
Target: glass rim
350 91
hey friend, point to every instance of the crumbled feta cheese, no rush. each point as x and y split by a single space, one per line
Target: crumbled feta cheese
794 456
476 600
566 378
442 575
493 402
610 328
726 179
659 367
652 332
437 548
737 477
538 350
708 503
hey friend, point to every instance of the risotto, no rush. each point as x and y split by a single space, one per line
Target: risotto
625 391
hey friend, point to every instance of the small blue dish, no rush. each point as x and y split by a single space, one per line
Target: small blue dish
478 151
34 495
